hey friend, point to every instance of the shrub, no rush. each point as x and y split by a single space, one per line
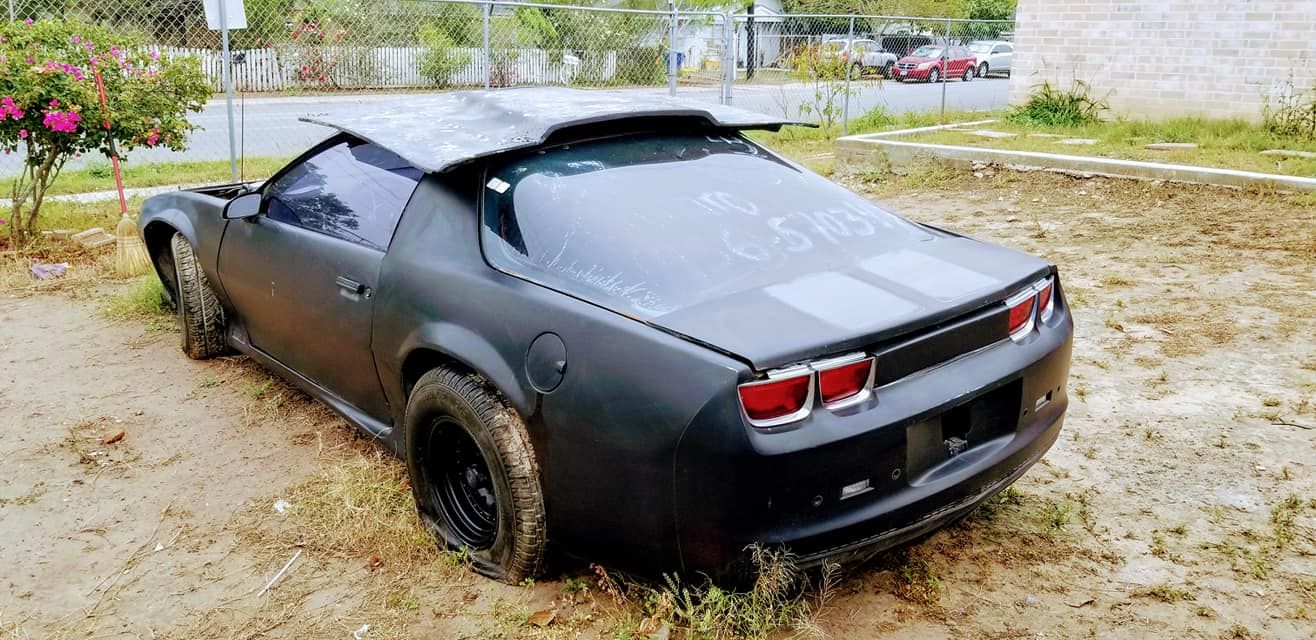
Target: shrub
825 75
442 59
50 112
1052 106
1291 114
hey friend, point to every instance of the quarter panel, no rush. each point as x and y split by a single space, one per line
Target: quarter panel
605 438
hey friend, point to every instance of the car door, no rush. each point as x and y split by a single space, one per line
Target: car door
1002 54
302 273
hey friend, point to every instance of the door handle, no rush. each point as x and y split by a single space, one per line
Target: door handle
351 286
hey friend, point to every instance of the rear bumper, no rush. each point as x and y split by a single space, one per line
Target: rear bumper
930 447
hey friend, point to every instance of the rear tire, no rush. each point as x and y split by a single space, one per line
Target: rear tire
474 475
200 316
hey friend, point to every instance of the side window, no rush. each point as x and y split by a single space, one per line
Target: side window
1004 48
353 190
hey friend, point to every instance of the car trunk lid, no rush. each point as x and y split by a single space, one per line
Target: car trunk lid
888 296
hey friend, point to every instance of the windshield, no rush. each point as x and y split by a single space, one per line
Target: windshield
980 47
652 223
927 51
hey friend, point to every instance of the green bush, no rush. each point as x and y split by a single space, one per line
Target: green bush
50 111
442 60
1052 106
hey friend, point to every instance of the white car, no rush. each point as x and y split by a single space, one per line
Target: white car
993 56
868 55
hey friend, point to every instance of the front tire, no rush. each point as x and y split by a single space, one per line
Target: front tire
200 316
474 475
934 76
983 69
968 74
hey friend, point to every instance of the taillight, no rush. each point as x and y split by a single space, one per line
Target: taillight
1032 305
1045 303
848 381
779 400
1021 313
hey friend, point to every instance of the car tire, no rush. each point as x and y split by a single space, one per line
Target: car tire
983 70
889 71
934 76
474 475
968 74
200 316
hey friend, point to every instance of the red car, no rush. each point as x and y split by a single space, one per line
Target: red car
926 64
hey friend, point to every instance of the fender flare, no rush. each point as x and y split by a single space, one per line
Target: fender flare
459 345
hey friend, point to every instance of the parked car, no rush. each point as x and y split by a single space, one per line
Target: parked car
926 64
613 322
992 56
863 55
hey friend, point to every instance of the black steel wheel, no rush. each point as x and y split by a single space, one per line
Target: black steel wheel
461 483
474 475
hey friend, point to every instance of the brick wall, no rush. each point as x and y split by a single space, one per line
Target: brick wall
1164 58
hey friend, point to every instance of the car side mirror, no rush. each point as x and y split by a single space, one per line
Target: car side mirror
242 207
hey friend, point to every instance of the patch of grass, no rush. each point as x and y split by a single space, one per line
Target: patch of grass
780 599
917 581
97 175
1050 105
142 301
1056 515
1282 516
1163 592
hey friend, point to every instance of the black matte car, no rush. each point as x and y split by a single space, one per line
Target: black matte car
614 325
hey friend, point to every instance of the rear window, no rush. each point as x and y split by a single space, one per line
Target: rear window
649 224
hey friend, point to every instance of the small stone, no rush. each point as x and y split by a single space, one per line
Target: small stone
1170 146
1076 141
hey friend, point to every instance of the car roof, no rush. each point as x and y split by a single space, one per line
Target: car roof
435 133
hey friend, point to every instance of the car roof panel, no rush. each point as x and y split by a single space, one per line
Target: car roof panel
435 133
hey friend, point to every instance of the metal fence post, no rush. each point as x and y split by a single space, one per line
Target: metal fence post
11 11
945 50
671 49
488 58
728 56
849 54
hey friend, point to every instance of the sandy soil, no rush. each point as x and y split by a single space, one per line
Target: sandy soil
1180 500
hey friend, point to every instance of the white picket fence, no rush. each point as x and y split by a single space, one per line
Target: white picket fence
295 68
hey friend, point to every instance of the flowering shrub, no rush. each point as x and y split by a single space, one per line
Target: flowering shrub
50 111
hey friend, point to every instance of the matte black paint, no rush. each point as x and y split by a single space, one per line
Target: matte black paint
646 458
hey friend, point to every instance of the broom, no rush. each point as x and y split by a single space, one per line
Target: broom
130 257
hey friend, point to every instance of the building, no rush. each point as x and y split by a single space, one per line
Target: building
1166 58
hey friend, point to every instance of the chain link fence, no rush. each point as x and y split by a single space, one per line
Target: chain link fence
821 68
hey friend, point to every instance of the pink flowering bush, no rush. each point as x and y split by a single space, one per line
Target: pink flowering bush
50 111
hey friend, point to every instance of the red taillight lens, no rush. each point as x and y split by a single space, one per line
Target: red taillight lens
774 399
1044 301
1021 311
844 381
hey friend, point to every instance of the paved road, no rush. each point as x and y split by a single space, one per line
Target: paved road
270 127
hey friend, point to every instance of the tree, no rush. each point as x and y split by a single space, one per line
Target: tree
50 110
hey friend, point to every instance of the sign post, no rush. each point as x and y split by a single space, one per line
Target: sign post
223 15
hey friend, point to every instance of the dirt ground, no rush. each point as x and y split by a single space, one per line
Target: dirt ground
1180 500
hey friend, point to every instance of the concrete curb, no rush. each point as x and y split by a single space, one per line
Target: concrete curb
866 146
